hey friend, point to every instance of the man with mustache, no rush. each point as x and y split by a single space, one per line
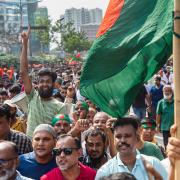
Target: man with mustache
42 106
9 162
128 158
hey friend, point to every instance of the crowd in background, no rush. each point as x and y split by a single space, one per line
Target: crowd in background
62 135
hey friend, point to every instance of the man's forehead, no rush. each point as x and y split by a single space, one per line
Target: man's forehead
94 139
65 142
45 77
62 122
125 129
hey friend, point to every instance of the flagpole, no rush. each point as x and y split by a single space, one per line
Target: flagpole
176 62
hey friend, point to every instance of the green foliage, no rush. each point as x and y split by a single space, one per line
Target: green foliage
44 34
8 59
70 40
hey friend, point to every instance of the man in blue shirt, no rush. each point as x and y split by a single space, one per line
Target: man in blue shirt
128 158
156 94
41 160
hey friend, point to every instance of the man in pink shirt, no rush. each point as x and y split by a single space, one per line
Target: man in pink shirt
68 151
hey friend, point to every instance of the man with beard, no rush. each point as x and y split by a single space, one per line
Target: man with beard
42 106
9 162
128 158
95 148
61 123
41 160
68 151
165 113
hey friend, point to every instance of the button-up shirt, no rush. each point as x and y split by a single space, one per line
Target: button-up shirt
115 165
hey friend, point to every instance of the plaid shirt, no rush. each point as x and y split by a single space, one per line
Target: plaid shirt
22 142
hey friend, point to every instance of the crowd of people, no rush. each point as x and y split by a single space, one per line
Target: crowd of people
65 136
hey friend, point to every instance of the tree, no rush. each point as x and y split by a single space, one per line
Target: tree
65 36
43 34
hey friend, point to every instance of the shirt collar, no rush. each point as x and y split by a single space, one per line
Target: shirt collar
138 159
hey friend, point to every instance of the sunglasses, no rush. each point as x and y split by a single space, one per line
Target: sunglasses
66 151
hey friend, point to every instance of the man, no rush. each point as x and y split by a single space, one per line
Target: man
9 161
145 147
3 96
139 105
96 141
128 159
14 90
41 160
156 94
42 106
165 113
91 114
148 131
81 110
61 123
20 139
16 123
68 151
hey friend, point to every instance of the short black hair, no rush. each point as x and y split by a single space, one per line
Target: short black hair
94 133
5 111
3 93
15 89
47 72
157 77
129 120
76 140
119 176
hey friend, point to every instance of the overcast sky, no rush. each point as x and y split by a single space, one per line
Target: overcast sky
57 7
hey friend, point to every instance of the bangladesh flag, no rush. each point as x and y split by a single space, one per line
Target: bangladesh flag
133 42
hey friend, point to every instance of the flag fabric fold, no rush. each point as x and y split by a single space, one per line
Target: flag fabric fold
133 42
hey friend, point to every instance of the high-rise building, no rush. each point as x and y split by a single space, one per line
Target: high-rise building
13 16
90 30
82 16
37 47
95 15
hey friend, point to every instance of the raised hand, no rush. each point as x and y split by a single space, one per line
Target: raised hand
25 35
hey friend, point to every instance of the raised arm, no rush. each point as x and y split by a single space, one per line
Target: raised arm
24 62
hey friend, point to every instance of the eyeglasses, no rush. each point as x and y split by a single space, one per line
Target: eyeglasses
6 162
66 151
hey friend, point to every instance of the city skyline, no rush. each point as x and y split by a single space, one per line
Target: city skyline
55 11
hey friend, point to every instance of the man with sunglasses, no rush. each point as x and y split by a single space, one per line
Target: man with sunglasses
68 151
41 160
9 162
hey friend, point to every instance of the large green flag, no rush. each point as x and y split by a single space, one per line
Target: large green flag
132 44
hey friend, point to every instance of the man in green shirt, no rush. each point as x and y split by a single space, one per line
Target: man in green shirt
165 113
41 105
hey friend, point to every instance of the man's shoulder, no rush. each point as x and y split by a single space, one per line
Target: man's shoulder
87 169
51 174
110 163
20 177
27 157
14 133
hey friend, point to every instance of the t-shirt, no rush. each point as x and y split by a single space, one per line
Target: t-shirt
166 110
139 101
151 149
29 167
41 112
86 173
